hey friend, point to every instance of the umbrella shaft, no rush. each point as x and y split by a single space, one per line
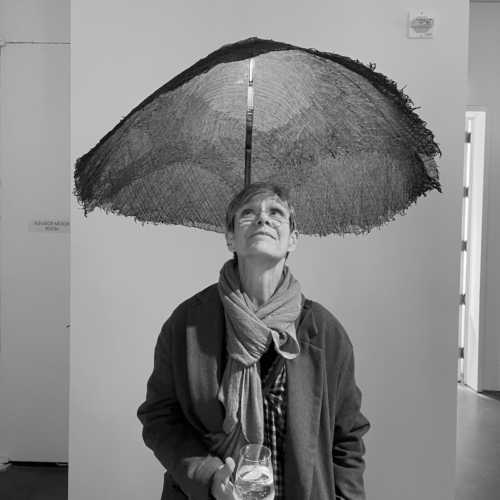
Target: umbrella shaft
249 124
248 148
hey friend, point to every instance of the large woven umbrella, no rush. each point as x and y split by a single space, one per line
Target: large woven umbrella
342 138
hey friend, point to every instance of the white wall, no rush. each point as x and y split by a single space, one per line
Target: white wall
395 290
483 90
35 184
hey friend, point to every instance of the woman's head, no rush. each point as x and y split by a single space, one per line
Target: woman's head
260 223
259 190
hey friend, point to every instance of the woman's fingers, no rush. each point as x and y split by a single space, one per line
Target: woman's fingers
222 488
228 468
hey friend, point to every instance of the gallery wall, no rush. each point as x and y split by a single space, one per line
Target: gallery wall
395 290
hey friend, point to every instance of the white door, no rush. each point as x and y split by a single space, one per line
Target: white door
471 280
35 266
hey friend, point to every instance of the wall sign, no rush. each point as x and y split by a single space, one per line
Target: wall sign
48 226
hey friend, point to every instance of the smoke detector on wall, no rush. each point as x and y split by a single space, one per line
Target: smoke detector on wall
421 24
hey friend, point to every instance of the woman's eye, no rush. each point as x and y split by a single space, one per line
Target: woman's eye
275 212
246 212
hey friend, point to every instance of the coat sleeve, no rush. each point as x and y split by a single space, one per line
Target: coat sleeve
350 427
166 429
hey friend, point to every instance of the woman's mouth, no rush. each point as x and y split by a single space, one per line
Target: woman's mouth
262 233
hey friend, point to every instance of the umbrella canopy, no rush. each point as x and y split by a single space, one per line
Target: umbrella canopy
342 138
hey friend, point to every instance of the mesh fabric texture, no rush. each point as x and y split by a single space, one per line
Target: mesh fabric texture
342 138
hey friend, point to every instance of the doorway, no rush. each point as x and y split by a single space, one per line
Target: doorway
471 310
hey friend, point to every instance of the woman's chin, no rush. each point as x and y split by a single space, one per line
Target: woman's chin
261 253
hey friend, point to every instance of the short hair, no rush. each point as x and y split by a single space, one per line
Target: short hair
258 190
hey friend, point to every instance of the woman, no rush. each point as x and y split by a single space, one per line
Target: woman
250 360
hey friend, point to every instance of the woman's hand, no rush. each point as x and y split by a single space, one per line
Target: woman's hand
222 488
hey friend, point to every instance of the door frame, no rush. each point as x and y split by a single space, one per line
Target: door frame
472 336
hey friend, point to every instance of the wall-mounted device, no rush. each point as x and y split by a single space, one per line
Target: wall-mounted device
421 24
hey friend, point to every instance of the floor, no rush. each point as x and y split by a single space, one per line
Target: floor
478 457
478 445
34 482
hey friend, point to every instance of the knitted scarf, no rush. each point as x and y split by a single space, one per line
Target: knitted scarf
250 332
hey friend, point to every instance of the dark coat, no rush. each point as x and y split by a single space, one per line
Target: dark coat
324 446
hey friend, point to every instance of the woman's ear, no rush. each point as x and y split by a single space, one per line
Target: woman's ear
294 236
230 241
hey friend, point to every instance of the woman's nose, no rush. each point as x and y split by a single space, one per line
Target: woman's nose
260 220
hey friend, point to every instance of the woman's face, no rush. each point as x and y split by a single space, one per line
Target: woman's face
257 231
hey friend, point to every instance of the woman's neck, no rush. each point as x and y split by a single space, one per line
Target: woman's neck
259 280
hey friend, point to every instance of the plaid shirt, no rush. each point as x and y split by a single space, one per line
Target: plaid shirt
275 424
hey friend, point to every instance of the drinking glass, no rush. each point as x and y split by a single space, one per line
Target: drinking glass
254 474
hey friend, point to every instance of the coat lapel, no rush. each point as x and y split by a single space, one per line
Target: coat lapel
304 399
205 333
